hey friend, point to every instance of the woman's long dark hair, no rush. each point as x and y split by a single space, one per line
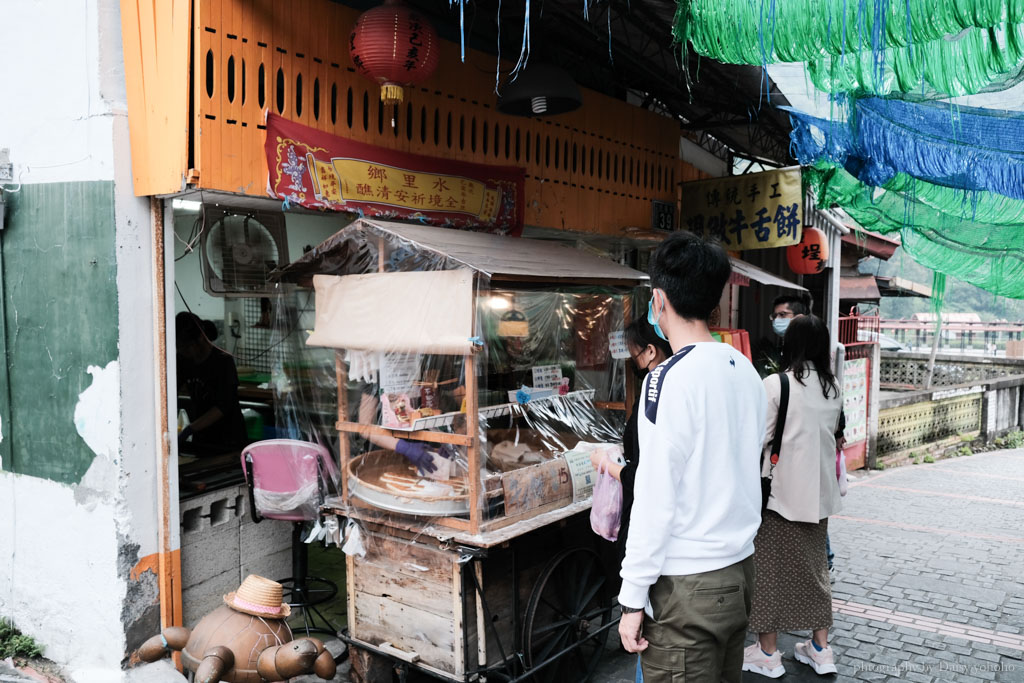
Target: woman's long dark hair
806 343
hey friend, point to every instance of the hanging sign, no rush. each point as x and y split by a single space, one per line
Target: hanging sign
751 211
317 170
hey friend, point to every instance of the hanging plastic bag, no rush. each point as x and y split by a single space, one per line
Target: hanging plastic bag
606 511
844 484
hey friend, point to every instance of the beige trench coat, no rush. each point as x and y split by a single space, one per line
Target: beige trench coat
804 486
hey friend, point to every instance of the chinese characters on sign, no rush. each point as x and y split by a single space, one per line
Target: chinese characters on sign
321 171
752 211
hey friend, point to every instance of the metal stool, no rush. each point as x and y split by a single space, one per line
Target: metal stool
287 481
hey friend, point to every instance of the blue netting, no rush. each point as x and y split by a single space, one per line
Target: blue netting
960 147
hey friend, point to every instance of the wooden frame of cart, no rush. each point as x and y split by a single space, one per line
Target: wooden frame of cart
512 583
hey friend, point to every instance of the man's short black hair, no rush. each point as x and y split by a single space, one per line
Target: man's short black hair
800 304
692 274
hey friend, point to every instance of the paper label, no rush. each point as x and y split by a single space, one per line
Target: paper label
398 372
547 376
582 473
617 345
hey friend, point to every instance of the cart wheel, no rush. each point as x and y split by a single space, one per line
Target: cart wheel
570 601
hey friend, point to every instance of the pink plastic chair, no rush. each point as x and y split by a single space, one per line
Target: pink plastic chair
287 481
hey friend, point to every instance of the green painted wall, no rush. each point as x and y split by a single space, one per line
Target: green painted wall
60 316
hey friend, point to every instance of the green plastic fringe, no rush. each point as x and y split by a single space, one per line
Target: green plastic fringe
767 31
978 60
977 237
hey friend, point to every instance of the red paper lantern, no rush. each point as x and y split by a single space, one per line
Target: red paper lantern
810 256
395 46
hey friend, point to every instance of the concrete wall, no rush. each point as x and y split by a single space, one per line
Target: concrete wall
78 512
220 546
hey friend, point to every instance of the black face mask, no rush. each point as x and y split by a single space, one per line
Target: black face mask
641 372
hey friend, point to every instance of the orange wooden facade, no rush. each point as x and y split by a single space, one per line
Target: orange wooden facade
596 169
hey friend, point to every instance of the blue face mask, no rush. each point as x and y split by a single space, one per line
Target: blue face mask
780 325
654 320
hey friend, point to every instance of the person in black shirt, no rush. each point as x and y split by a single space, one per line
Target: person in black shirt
209 376
648 351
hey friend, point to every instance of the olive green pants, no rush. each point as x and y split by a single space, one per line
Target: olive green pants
699 626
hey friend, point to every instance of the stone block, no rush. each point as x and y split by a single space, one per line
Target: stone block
274 566
208 554
202 598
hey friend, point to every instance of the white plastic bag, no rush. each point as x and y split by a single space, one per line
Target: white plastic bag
606 510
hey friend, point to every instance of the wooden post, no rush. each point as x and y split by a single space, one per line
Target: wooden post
627 315
341 375
935 350
473 453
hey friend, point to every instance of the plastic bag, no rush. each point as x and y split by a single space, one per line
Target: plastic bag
841 472
606 511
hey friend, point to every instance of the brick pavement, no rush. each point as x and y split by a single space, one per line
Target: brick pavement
930 583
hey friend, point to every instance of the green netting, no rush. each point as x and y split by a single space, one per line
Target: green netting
977 60
977 237
766 31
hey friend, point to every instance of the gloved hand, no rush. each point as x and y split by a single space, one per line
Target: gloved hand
418 454
183 436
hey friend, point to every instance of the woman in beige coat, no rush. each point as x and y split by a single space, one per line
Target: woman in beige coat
792 590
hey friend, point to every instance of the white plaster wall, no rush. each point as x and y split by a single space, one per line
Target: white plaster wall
57 115
68 550
58 581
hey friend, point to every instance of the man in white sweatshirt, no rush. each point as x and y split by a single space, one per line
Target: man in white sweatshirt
689 556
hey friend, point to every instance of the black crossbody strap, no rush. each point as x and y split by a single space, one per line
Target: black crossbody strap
780 422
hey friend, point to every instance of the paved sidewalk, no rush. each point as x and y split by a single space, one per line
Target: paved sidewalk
930 583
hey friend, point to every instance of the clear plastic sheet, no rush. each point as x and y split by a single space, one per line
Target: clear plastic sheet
548 369
289 479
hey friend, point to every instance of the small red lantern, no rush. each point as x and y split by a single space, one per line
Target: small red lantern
395 46
810 256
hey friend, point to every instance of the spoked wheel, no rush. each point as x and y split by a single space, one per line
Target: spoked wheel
303 598
312 591
570 602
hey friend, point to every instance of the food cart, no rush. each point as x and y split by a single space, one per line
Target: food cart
505 357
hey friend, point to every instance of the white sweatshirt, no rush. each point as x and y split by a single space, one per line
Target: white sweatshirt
697 494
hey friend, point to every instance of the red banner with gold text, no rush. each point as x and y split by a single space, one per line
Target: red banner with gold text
322 171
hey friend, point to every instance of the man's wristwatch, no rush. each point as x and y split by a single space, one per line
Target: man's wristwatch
630 610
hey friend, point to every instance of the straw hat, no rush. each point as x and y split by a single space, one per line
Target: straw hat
259 597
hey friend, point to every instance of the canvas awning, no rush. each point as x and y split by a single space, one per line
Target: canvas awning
500 258
744 269
349 312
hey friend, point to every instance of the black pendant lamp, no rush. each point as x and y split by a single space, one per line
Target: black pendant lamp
540 90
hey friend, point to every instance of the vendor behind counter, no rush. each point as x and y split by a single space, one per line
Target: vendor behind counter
216 425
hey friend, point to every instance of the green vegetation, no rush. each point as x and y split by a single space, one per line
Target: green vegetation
1014 439
15 644
929 459
964 451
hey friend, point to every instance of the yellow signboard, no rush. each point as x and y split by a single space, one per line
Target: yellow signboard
356 180
752 211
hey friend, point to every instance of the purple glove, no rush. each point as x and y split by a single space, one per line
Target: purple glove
418 454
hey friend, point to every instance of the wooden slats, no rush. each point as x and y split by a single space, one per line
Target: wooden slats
310 38
156 39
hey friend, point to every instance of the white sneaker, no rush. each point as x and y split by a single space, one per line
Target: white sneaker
756 661
823 662
831 574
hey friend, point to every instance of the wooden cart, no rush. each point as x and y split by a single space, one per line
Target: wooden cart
523 589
